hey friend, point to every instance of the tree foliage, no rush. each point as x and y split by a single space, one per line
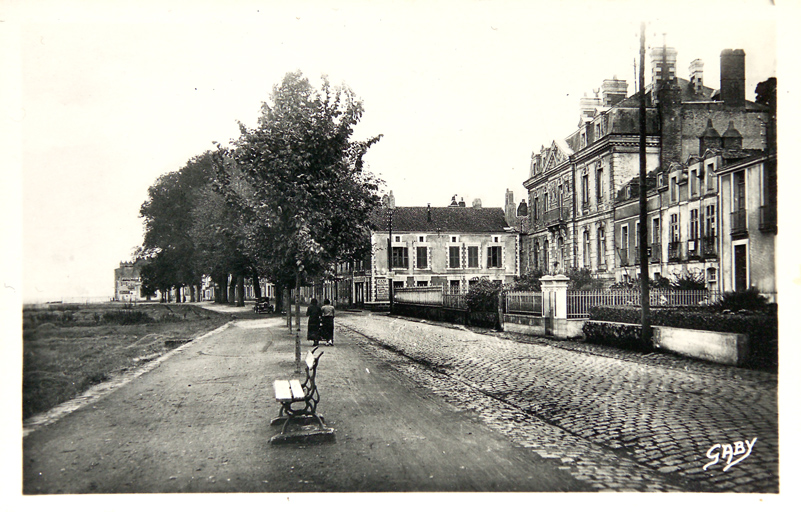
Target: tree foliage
310 197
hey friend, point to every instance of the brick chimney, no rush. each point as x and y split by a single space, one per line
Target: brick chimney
732 77
613 91
697 76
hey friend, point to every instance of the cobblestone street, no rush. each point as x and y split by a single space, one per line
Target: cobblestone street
616 419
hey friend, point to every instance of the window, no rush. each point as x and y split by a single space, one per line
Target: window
624 238
674 227
422 257
494 257
711 275
710 178
536 208
536 255
586 248
637 235
398 284
545 202
738 197
599 184
453 257
601 248
496 239
400 257
454 286
585 190
711 225
472 257
422 283
545 261
421 239
674 190
454 239
397 239
693 182
559 196
694 224
655 234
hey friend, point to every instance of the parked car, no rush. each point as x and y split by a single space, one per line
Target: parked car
263 306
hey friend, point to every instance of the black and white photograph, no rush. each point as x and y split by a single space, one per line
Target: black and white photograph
431 254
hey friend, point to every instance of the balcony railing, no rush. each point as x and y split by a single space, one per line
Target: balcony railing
694 249
656 253
710 247
738 226
767 218
556 216
674 251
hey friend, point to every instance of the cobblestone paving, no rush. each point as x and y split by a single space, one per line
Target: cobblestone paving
620 420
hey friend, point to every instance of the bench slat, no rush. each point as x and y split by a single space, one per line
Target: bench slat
310 357
297 389
282 390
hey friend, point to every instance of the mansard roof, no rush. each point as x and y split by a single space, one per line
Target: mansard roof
452 219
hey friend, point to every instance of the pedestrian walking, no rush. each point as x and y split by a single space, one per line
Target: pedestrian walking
313 330
328 322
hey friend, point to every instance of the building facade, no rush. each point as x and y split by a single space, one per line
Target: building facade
584 189
431 246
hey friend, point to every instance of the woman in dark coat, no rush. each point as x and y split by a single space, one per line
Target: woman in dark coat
313 330
328 322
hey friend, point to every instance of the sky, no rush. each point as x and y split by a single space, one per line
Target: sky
102 98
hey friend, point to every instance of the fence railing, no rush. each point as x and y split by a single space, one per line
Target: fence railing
423 295
580 302
430 296
524 302
454 300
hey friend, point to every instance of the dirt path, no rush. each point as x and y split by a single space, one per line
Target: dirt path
200 422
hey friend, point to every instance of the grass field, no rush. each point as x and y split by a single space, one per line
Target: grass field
69 348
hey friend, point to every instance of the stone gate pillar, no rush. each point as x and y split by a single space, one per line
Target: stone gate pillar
554 300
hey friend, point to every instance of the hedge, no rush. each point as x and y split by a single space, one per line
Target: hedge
762 328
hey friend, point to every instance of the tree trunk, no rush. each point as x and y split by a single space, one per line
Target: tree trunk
256 286
192 293
240 290
231 290
279 299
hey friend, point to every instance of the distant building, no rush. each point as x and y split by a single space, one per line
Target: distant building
451 246
127 282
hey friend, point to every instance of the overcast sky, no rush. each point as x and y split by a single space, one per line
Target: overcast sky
110 98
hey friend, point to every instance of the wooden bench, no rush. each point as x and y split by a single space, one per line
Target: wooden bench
299 399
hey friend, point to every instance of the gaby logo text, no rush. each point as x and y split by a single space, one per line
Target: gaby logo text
727 452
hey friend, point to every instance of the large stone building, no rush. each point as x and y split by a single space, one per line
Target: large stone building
431 246
127 282
583 192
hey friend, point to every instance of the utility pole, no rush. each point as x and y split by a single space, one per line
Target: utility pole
645 319
390 277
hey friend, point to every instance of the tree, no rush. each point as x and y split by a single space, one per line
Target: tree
310 194
167 213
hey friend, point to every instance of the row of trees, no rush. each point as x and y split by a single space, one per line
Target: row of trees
286 201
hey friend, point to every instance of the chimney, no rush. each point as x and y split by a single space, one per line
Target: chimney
462 203
453 202
429 212
732 77
697 76
663 68
391 199
613 91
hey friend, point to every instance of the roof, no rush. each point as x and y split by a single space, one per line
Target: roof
455 219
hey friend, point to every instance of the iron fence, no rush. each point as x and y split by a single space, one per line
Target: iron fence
528 302
454 300
580 302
